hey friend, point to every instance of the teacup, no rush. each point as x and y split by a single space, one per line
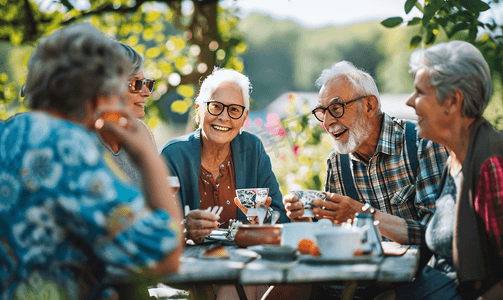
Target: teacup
338 242
292 233
307 197
252 198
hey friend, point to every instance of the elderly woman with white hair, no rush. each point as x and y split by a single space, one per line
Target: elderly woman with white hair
218 158
453 86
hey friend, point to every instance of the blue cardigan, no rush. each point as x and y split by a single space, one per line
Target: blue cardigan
252 168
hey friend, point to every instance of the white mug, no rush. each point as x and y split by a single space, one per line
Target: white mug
338 242
292 233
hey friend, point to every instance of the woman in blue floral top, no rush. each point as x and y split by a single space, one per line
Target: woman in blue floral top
67 218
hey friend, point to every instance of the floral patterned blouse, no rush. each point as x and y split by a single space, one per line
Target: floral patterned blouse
67 218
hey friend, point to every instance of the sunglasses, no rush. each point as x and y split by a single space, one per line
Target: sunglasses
135 86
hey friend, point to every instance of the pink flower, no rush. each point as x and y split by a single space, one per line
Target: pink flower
295 150
258 122
281 132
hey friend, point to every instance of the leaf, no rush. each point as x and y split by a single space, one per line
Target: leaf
457 28
392 22
414 21
409 4
430 11
474 5
415 41
67 4
430 38
472 33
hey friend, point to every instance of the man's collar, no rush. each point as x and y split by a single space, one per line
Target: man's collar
391 137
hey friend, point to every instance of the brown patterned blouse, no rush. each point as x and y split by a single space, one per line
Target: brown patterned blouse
221 193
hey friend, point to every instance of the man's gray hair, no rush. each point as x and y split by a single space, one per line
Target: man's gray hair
456 65
72 66
220 75
134 57
363 83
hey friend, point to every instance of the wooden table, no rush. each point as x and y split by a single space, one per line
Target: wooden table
245 267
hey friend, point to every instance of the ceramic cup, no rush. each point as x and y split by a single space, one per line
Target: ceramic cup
292 233
307 197
338 242
252 198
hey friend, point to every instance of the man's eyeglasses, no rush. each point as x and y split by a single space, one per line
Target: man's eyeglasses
135 86
336 110
215 108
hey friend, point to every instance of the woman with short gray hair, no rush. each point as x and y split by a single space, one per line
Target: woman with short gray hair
453 86
68 218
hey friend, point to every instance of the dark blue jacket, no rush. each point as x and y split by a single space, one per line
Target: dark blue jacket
252 168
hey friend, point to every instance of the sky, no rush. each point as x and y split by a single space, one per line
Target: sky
322 13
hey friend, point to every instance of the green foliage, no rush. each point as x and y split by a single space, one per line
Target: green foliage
459 19
392 22
180 46
300 150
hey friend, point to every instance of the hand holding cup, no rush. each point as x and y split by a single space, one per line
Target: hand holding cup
248 200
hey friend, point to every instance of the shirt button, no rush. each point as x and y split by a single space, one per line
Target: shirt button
222 165
205 193
228 202
228 187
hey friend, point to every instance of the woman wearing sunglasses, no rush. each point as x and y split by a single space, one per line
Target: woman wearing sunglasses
139 89
66 217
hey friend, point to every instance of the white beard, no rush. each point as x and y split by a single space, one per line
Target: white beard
359 133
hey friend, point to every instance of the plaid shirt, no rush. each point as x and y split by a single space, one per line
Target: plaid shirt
489 200
387 182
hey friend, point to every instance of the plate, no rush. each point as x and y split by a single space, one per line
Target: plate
309 259
274 252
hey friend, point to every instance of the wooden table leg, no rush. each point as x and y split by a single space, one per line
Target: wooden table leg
349 290
241 292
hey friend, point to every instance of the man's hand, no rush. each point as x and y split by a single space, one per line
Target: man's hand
336 208
294 209
199 224
245 210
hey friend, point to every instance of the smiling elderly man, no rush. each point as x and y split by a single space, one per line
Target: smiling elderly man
378 164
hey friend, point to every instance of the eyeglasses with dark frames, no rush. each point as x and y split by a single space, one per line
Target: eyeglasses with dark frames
135 86
215 108
336 109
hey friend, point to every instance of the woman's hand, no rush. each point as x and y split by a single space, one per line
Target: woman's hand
199 224
254 219
294 209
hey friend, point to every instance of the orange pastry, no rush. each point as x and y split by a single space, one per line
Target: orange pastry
307 246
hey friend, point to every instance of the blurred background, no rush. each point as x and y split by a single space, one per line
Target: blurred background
282 45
